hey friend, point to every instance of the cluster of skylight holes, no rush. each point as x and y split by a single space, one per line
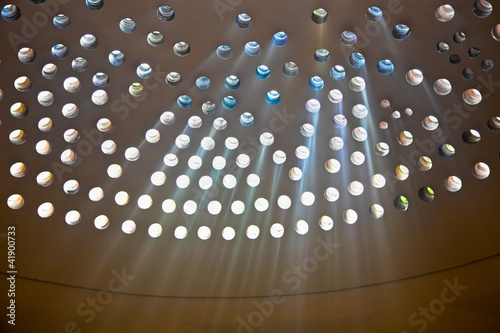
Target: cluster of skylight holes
252 48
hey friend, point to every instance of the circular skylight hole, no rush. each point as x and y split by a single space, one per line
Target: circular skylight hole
128 227
332 194
155 230
122 198
326 223
229 181
72 217
182 181
277 230
238 207
453 184
168 206
214 207
350 216
15 201
301 227
332 165
190 207
180 232
158 178
101 222
284 202
261 204
145 201
96 194
205 182
228 233
204 233
355 188
253 232
253 180
307 198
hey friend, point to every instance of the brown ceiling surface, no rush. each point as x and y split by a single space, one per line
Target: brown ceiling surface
353 278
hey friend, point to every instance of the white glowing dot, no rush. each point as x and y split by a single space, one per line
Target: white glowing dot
71 187
238 207
155 230
190 207
261 204
219 163
357 158
332 194
377 211
302 152
481 170
279 157
207 143
132 154
266 139
350 216
231 143
182 181
301 227
378 181
170 160
195 162
99 97
229 181
18 170
402 172
145 201
453 184
128 227
158 178
336 143
253 180
168 206
43 147
332 166
195 122
72 217
108 147
96 194
307 198
180 232
243 160
204 233
15 201
122 198
295 174
205 182
104 125
284 202
253 232
214 207
101 222
182 141
356 188
45 178
152 136
277 230
114 171
405 138
228 233
359 134
326 223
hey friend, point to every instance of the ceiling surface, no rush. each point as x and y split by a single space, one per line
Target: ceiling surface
367 276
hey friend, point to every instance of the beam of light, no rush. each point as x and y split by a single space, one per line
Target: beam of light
310 162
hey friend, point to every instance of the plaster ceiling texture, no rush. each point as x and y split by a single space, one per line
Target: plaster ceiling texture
203 242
